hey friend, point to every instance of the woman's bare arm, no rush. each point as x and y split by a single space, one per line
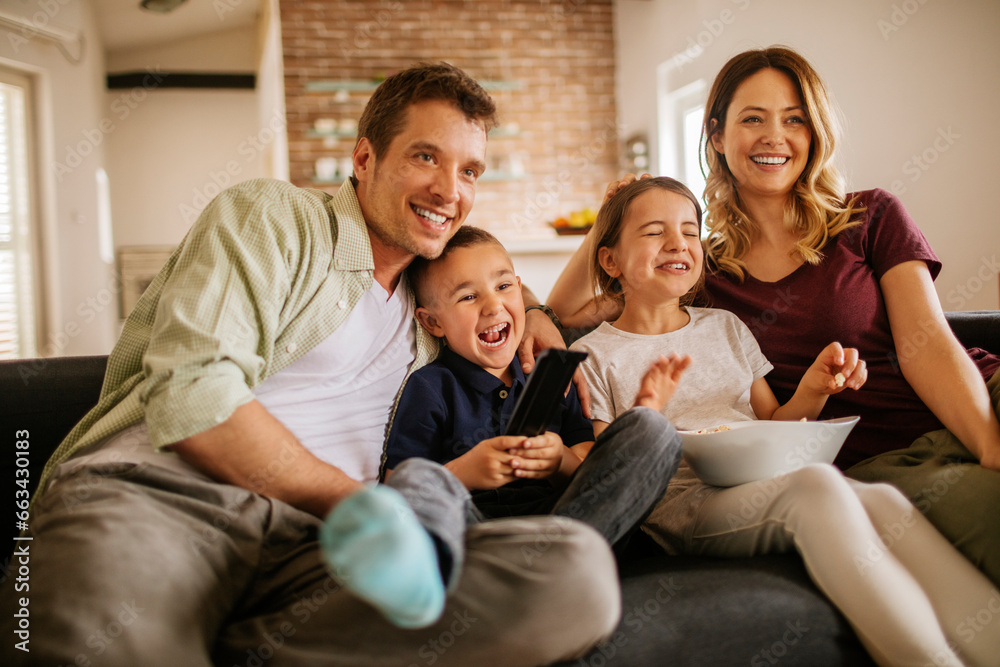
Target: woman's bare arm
572 298
935 363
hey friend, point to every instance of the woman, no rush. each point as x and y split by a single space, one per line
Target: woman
801 262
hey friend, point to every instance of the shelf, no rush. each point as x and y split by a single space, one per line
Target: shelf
368 86
331 134
336 86
497 133
492 176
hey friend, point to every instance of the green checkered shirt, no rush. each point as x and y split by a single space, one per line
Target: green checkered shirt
267 272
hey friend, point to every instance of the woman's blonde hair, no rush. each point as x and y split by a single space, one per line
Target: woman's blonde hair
817 209
608 229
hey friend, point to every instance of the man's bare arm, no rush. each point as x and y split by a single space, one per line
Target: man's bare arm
254 450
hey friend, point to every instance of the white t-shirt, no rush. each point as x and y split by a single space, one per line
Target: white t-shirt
715 389
337 398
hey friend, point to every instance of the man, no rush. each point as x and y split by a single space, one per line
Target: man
249 395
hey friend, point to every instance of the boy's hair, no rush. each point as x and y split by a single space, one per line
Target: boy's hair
608 226
817 208
385 112
467 236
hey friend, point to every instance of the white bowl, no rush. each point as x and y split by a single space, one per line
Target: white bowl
754 450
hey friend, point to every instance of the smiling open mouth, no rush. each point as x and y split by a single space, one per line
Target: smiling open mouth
496 335
429 216
677 266
770 160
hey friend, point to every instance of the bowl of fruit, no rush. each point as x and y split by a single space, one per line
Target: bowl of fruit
577 222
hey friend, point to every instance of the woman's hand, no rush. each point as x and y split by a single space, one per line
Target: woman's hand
835 370
615 186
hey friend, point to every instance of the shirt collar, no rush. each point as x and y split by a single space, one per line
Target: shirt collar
352 247
475 376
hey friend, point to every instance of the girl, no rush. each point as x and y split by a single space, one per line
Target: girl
907 594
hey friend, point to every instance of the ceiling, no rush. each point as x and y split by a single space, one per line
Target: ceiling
124 25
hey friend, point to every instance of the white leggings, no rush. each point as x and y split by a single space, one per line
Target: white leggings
910 596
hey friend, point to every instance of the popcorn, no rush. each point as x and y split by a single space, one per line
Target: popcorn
839 379
724 427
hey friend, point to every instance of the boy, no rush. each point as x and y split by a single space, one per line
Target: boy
453 410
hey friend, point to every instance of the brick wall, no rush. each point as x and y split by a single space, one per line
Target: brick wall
560 121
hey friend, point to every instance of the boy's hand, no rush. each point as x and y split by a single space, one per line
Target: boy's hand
538 457
660 382
835 369
488 465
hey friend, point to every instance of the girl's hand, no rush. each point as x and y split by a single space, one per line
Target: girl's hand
835 369
538 457
660 382
615 186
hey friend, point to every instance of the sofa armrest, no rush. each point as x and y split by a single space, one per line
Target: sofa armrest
976 328
43 399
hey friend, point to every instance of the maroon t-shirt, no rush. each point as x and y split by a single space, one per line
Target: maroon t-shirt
839 299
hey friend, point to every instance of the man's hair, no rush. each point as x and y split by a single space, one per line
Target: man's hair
385 113
467 236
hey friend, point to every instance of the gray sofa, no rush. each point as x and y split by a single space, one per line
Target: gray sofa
677 610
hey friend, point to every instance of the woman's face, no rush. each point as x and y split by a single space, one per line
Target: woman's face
766 137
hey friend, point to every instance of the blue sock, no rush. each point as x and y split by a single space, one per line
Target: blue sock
374 545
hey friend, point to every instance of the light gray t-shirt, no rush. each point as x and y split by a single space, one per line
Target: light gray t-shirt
714 390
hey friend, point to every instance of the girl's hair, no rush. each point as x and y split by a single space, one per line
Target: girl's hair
608 226
817 207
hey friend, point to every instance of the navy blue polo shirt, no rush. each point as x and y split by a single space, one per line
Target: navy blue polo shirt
451 405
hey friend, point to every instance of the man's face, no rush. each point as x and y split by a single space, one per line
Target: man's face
416 195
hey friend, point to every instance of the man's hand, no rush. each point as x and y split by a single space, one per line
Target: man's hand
660 382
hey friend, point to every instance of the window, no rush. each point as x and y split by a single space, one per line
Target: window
17 271
681 112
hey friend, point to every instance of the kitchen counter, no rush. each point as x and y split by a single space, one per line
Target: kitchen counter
539 260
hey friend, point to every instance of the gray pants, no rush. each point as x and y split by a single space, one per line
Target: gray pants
138 564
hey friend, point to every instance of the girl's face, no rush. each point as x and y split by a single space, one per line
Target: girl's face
766 137
659 253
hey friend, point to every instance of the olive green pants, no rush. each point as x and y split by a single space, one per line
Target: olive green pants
947 484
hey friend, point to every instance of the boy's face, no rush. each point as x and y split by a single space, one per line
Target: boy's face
474 301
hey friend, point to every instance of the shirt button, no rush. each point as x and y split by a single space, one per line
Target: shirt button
503 393
341 304
291 347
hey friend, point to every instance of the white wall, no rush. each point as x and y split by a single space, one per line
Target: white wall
173 149
81 289
915 80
